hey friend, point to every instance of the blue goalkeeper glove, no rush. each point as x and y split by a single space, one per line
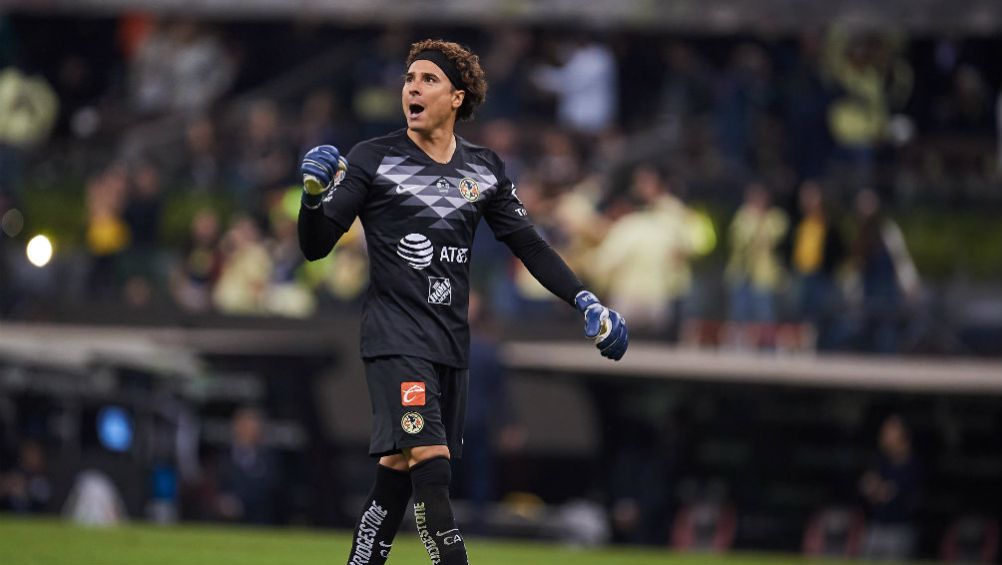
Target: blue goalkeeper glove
322 168
604 326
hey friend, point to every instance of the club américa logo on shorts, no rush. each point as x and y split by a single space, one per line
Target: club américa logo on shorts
412 393
412 423
469 189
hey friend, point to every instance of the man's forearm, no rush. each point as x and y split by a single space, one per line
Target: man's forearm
544 264
317 234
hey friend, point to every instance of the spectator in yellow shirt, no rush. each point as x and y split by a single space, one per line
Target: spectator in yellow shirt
817 250
754 271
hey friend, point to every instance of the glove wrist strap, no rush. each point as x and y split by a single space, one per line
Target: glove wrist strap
584 299
313 201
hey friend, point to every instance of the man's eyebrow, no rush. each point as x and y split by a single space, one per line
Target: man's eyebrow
421 73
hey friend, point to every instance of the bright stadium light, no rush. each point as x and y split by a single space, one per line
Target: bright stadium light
39 251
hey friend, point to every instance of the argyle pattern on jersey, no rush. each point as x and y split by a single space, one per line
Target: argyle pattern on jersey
431 194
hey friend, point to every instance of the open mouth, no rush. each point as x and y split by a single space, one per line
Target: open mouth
414 110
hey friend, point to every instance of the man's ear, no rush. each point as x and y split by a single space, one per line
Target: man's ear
457 98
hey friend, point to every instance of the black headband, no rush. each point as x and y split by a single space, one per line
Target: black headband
443 62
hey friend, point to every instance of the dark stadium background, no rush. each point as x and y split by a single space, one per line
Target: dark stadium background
767 423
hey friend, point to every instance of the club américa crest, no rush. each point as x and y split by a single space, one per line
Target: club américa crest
469 189
412 423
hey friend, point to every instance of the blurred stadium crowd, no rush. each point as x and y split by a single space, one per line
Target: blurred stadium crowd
740 190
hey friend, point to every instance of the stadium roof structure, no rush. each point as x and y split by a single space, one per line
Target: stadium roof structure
75 348
179 351
867 372
980 17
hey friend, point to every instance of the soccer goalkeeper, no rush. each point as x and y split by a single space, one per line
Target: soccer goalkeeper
420 193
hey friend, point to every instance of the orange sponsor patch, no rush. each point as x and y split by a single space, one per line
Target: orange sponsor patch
412 393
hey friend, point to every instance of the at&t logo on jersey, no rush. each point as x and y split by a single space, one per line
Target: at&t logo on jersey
416 250
454 254
439 291
412 393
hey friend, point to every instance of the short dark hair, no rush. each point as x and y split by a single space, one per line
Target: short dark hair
468 65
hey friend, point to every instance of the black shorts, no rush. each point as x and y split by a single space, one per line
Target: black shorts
415 402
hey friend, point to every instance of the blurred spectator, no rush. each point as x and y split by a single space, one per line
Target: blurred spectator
581 227
817 251
149 72
686 91
647 465
246 272
180 66
265 157
377 73
26 488
201 165
142 261
743 98
558 163
491 426
891 490
195 275
805 101
754 271
874 81
318 117
643 262
967 107
887 274
285 296
142 210
506 65
502 136
249 477
202 69
107 235
585 85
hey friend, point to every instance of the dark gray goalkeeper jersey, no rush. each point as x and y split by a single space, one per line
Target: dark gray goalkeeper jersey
419 218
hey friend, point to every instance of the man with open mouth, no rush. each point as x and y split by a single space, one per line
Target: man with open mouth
420 193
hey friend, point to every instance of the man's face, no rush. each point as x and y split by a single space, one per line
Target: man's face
893 438
428 98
